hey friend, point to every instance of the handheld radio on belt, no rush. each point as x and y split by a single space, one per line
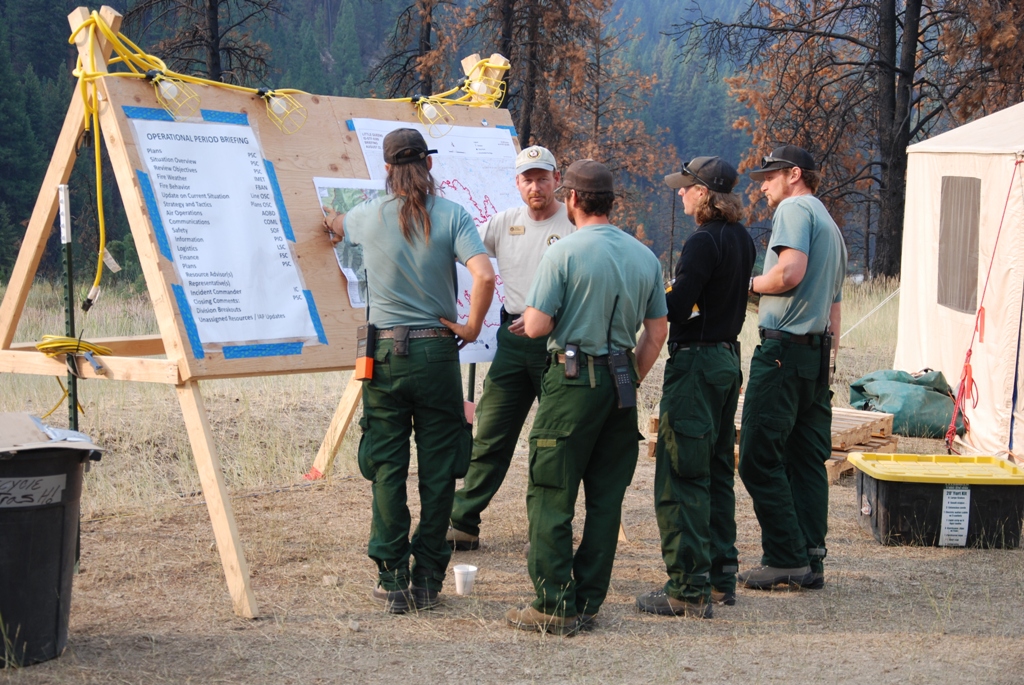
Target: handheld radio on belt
827 369
366 345
619 365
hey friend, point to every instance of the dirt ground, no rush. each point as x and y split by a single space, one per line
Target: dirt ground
151 605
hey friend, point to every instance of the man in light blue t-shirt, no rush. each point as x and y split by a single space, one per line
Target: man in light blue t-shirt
592 292
786 432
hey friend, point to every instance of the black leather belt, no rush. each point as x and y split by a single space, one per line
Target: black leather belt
682 346
771 334
507 315
389 333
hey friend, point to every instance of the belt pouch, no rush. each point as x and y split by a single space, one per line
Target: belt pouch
401 348
572 361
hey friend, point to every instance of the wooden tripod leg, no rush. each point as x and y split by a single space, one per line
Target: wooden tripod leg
45 210
339 424
221 515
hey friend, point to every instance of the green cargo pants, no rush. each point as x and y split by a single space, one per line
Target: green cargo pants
512 384
785 440
579 435
694 471
422 389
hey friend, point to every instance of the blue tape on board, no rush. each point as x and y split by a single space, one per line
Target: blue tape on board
190 323
282 212
351 124
315 315
150 113
510 129
265 350
154 214
218 117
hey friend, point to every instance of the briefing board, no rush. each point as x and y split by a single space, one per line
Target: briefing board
228 218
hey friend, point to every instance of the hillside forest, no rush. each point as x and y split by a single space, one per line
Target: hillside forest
642 85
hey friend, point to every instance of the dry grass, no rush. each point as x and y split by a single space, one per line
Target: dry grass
151 604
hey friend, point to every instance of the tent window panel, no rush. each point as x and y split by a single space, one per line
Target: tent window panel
958 243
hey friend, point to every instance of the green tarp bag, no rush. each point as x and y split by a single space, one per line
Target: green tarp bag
922 405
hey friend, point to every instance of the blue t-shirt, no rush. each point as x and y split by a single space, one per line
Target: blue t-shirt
578 280
412 283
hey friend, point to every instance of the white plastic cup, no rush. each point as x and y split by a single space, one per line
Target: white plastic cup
465 574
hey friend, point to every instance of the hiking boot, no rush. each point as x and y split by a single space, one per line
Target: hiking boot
767 577
587 622
395 601
726 597
531 619
460 541
659 602
816 581
424 598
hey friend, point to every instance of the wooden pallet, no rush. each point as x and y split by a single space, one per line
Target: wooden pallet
852 431
837 464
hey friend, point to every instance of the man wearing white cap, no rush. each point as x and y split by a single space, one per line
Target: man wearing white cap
518 238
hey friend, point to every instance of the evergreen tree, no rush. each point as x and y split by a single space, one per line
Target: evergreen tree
347 73
21 157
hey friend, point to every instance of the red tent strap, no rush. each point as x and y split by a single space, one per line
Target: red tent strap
968 388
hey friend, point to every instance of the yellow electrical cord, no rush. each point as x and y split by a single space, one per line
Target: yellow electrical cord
61 400
55 345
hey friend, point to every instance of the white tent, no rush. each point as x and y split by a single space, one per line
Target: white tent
959 184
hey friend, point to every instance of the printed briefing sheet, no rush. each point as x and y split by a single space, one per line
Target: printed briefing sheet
218 216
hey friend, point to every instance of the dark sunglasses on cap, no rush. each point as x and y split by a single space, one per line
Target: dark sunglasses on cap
768 159
692 173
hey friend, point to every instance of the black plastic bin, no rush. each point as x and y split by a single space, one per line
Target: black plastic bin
40 489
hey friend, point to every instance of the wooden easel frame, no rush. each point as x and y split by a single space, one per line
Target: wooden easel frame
132 358
127 363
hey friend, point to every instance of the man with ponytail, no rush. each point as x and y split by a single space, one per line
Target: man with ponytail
411 239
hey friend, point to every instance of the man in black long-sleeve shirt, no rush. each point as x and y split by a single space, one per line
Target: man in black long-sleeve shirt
693 481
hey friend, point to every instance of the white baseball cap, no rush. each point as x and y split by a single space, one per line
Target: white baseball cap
535 157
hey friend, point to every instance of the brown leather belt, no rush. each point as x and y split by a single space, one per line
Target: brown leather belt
771 334
603 359
389 333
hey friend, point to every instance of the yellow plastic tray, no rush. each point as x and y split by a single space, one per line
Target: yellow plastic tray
938 468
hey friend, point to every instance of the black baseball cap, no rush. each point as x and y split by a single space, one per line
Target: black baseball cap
785 157
588 176
713 173
404 146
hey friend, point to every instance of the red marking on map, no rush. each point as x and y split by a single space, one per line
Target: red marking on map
466 300
482 211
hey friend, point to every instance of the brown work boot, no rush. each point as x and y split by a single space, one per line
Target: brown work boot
767 577
726 597
663 604
531 619
460 541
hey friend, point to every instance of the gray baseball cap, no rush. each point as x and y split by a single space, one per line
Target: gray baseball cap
712 172
535 157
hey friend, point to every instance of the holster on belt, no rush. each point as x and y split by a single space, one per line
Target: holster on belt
401 338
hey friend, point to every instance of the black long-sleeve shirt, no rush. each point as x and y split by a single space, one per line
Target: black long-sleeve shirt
713 272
